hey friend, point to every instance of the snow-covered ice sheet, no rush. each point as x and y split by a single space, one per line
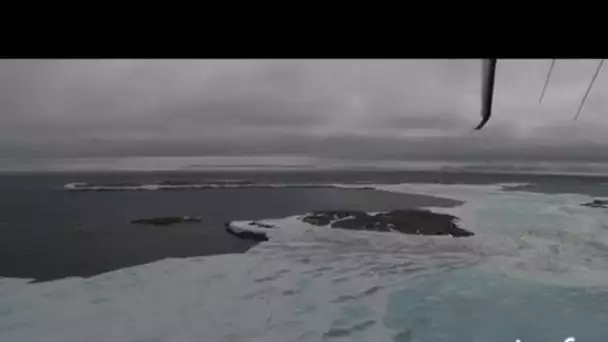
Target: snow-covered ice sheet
536 270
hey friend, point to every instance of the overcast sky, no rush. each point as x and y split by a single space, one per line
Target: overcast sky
350 109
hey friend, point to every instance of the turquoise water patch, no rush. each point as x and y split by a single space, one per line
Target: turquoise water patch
469 305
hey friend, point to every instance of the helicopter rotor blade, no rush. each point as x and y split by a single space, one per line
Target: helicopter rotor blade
487 91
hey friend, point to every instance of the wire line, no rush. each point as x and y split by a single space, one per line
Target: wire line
547 81
597 71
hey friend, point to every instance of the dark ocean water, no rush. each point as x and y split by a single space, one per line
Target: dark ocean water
40 220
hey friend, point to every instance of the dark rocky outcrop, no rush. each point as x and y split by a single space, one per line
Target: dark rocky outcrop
411 221
323 218
166 220
366 222
596 204
423 222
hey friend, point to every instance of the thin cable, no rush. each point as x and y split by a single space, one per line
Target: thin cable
599 67
546 81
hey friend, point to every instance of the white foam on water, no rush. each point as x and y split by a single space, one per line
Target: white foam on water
536 270
70 186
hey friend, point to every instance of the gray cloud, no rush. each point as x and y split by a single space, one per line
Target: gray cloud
350 109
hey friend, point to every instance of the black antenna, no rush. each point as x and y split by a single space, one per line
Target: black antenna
597 71
546 81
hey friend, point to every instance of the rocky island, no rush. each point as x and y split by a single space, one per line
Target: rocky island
408 221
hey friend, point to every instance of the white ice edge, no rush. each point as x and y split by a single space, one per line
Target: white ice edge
243 226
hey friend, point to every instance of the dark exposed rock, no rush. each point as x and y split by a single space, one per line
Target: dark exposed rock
596 204
340 214
423 222
166 220
361 223
323 218
411 221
